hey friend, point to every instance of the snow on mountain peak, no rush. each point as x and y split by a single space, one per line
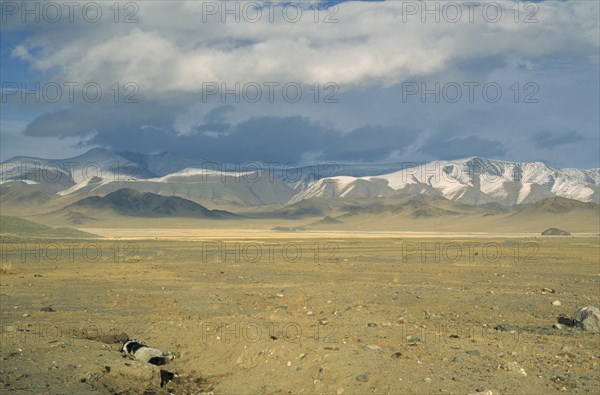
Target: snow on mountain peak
472 180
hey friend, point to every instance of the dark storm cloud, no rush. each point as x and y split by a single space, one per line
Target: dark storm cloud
550 140
112 119
461 147
276 139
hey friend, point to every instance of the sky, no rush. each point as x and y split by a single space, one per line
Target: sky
307 82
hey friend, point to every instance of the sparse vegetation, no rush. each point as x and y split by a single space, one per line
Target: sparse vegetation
23 228
377 303
5 268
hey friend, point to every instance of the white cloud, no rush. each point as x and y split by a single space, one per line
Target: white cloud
171 49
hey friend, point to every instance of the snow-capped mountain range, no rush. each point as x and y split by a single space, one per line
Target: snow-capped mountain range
473 181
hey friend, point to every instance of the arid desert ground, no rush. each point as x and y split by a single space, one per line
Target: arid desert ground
275 313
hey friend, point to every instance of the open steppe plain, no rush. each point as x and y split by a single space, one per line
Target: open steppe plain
261 312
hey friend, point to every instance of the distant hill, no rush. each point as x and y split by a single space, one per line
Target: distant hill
555 232
24 193
14 226
558 205
130 202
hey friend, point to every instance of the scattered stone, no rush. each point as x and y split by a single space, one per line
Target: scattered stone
547 291
427 379
503 328
89 377
280 307
37 275
323 322
588 319
556 303
567 348
372 325
473 352
515 367
396 355
458 358
557 326
25 315
362 378
360 340
373 347
47 309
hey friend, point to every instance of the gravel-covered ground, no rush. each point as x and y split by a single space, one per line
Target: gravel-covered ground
282 315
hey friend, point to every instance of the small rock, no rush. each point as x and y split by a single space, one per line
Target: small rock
25 315
588 319
47 309
557 326
503 328
547 291
457 358
556 303
427 379
280 308
473 352
372 325
396 355
515 367
37 275
362 378
373 347
323 322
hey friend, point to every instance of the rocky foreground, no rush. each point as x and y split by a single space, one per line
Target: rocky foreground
366 316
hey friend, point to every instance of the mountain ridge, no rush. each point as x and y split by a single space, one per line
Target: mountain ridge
474 180
130 202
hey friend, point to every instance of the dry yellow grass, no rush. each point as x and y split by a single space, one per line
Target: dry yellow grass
294 313
5 268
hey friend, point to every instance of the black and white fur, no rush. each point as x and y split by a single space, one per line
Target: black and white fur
143 353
